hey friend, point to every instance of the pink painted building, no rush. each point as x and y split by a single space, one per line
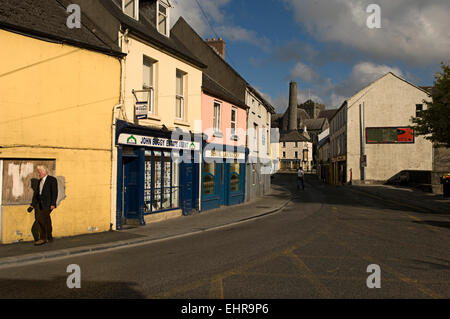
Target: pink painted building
224 122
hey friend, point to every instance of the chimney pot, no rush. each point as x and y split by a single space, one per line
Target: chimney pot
218 46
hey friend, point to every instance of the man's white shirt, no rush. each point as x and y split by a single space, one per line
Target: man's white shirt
41 185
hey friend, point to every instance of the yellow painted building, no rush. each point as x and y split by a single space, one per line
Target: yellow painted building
56 105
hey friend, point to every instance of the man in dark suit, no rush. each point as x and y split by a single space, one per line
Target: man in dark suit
44 202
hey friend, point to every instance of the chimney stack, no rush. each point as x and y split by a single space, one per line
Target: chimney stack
292 106
218 46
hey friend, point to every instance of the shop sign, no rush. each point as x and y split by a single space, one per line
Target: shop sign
214 153
141 110
138 140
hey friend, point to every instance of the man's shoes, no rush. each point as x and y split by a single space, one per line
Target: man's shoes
39 242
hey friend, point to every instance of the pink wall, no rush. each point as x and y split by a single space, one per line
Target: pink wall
225 122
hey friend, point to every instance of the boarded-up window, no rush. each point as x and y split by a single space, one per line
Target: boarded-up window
20 178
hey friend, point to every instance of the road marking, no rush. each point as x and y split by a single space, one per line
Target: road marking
431 228
216 288
405 279
309 275
390 270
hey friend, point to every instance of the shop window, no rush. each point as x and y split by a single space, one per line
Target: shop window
209 172
175 184
148 184
167 181
161 188
235 176
156 182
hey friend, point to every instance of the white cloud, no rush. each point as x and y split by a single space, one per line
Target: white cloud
413 31
223 25
280 104
334 94
306 94
362 75
192 13
240 34
304 72
336 100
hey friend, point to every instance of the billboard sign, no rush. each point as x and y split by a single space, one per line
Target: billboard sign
389 135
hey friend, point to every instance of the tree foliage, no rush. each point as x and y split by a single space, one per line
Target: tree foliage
434 121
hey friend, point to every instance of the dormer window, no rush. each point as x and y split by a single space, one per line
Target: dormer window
131 8
163 18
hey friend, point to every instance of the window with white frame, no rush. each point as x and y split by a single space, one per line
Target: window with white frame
180 95
233 121
131 8
163 18
216 118
148 83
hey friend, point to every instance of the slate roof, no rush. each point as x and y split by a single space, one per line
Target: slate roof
147 31
293 136
211 87
328 114
314 124
46 20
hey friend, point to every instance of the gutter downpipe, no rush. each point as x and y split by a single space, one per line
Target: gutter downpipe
113 215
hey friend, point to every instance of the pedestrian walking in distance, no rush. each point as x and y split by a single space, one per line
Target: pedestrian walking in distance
300 178
44 202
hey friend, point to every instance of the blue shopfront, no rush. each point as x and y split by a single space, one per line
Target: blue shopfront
155 173
223 176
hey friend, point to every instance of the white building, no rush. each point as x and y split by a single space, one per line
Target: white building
296 151
259 117
370 138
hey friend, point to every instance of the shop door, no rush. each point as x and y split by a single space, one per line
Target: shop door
187 188
130 188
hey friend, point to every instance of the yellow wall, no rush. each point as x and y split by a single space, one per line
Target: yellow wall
56 102
165 85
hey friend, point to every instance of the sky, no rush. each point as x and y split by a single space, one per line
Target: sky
325 46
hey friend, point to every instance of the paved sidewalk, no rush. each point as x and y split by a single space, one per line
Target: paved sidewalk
24 252
409 197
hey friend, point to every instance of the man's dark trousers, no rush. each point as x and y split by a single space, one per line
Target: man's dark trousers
42 227
300 182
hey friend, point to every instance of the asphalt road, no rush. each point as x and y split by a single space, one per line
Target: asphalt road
319 246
